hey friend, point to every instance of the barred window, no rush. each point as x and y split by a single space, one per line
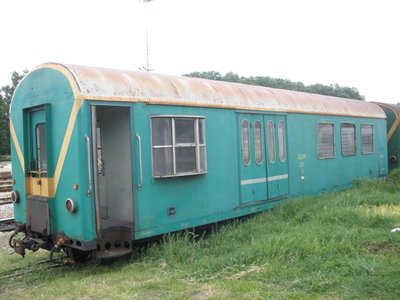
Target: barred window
367 139
348 139
258 142
178 146
325 141
245 143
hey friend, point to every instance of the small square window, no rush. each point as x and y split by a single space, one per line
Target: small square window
178 146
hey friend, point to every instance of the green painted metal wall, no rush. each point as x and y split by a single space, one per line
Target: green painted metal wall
47 86
202 199
321 175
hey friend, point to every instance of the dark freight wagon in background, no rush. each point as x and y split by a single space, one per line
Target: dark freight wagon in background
392 112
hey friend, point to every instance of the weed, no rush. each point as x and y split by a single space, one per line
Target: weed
336 245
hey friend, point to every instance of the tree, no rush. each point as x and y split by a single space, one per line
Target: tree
6 93
329 90
205 75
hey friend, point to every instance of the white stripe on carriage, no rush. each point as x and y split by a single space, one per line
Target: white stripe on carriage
277 177
264 179
252 181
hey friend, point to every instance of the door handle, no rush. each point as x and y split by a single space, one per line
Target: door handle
89 190
140 185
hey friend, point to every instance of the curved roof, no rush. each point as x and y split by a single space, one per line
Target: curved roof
395 108
118 85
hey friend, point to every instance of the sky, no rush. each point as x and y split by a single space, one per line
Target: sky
354 43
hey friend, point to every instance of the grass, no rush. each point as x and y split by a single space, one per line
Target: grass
337 245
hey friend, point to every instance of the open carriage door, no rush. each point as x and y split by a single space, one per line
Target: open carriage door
111 134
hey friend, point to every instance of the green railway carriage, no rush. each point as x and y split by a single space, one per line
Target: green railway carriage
103 158
392 112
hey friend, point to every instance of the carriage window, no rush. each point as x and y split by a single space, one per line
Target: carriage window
258 142
348 139
178 146
281 141
367 139
41 152
325 140
271 142
245 143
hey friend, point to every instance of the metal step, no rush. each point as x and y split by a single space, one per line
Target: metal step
116 241
112 254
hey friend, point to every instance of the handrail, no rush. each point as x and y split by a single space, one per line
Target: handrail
89 190
140 185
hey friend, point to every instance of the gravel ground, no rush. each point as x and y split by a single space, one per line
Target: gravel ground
6 165
6 211
4 236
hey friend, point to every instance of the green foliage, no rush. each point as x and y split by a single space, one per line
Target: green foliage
6 93
206 75
329 90
335 246
5 157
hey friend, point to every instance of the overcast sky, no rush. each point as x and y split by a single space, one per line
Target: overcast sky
353 43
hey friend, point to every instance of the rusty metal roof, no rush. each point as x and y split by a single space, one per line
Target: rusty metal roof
119 85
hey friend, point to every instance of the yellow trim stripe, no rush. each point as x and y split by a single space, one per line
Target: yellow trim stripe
393 129
42 186
16 145
67 138
67 73
63 70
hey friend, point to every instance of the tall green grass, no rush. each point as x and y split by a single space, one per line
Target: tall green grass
336 245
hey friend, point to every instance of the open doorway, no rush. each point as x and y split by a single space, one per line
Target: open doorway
113 171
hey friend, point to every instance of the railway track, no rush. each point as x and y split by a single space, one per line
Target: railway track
6 182
37 267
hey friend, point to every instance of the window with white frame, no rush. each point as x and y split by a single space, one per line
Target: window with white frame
178 145
367 139
258 149
271 142
245 143
281 141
